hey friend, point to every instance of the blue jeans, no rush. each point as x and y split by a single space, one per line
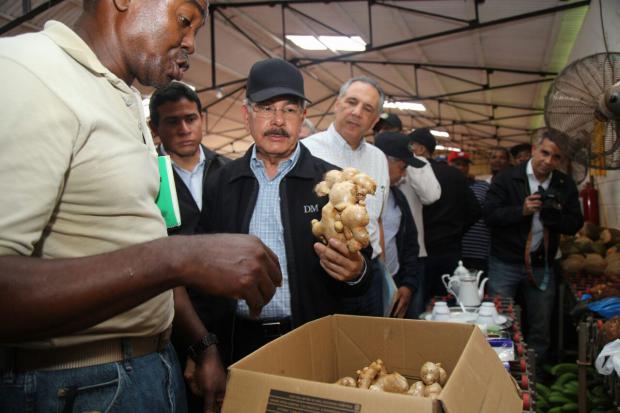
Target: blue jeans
152 383
505 279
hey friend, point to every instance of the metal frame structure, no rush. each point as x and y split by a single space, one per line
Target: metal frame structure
351 59
355 60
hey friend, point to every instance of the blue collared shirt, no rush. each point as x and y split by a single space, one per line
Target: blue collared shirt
192 179
266 224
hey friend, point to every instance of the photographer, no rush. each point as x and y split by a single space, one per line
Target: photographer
527 208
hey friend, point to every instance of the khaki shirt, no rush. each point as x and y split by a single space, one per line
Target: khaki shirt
78 168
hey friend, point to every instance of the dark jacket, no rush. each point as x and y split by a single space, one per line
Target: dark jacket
447 219
190 214
503 213
233 195
406 244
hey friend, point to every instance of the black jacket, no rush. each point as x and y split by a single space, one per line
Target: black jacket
190 214
232 195
406 244
448 218
503 213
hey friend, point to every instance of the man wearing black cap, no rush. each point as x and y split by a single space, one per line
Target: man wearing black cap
399 229
388 122
269 193
446 220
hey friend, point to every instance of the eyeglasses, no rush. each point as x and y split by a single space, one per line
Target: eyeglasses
269 111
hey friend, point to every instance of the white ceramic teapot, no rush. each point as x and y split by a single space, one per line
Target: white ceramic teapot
465 286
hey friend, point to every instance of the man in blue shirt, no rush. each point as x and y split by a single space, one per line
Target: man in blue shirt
176 119
269 193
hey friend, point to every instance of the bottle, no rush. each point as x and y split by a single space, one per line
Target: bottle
589 201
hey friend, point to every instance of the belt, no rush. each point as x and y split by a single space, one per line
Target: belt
269 328
21 360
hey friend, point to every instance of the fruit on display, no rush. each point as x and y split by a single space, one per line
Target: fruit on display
610 330
573 264
375 377
593 251
604 290
345 216
594 264
562 395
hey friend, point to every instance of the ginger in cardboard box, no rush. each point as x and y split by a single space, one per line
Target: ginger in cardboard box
345 216
375 377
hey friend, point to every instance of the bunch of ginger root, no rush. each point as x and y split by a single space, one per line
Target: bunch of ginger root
375 377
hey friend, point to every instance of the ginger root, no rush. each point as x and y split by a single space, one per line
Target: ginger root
347 382
417 389
345 216
375 377
367 375
392 383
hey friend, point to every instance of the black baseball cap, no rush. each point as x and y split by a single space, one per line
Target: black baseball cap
274 77
388 119
424 137
396 145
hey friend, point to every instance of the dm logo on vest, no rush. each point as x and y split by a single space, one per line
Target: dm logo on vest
311 209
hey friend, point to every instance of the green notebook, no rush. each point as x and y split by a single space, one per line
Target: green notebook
167 200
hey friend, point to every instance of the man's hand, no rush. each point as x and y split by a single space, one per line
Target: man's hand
207 380
231 265
531 204
338 261
403 298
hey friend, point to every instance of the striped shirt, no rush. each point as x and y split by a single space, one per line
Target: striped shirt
477 240
266 224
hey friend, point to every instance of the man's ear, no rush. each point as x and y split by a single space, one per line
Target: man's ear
245 112
121 5
153 128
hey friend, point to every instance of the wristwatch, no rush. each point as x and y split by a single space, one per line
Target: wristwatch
196 350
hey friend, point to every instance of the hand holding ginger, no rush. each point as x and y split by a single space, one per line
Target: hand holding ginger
344 217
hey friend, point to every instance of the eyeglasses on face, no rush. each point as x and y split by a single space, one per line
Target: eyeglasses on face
289 112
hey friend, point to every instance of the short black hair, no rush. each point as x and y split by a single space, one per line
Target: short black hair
174 92
502 149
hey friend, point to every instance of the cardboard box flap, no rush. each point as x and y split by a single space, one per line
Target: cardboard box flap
401 347
255 392
479 383
307 353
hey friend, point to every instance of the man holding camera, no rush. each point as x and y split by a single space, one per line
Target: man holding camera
527 208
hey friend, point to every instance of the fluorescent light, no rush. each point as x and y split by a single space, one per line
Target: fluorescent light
447 148
405 106
192 87
307 42
343 43
334 43
440 133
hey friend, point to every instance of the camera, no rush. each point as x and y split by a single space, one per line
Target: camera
549 199
551 208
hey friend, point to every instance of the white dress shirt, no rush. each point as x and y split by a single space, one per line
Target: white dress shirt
537 226
420 187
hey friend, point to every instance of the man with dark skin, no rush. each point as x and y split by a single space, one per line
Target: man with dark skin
500 159
104 289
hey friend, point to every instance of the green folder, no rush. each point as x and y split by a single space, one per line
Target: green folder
167 200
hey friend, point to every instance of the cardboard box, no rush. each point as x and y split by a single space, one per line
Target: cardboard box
295 372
